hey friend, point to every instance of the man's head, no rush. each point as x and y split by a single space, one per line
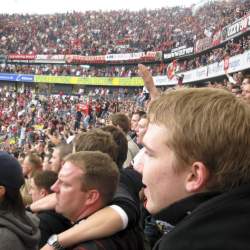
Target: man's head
41 183
141 129
121 141
86 182
96 140
197 140
136 116
246 91
121 121
246 80
58 154
31 163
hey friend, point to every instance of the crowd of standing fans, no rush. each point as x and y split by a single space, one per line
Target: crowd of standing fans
100 33
123 168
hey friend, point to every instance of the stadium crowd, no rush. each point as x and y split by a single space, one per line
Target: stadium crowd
231 48
100 33
123 168
40 130
27 115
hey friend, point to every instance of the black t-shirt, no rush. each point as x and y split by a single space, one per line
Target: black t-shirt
51 223
127 195
127 239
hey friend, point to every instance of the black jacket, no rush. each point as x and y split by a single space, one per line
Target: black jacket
208 221
51 223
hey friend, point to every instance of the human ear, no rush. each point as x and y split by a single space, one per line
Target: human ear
43 192
93 196
197 178
2 191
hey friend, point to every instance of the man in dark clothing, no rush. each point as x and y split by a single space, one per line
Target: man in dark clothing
196 170
91 178
124 210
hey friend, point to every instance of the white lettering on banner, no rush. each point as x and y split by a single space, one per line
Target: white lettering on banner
50 57
201 72
179 53
21 57
156 55
84 59
124 57
215 69
163 81
239 26
49 61
234 64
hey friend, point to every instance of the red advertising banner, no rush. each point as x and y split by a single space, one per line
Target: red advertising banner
84 59
21 57
203 44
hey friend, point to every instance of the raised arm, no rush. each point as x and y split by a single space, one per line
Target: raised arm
146 75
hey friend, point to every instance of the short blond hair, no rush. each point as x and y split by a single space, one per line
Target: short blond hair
207 125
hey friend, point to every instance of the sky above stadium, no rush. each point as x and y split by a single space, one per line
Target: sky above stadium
62 6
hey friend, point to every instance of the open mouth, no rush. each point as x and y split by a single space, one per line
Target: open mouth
145 200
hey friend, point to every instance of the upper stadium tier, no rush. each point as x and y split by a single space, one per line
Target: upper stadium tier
114 32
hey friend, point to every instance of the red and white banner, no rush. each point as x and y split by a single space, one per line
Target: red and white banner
203 44
148 56
21 57
140 56
171 70
84 59
216 38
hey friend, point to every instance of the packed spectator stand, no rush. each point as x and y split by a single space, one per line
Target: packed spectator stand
100 33
110 45
63 75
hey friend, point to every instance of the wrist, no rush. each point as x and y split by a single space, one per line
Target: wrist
53 241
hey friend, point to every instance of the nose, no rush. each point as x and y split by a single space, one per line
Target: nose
139 161
55 187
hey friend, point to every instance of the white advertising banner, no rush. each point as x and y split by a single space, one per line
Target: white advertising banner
236 63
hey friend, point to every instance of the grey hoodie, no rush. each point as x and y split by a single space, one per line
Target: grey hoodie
18 235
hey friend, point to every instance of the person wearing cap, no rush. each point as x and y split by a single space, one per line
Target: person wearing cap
18 228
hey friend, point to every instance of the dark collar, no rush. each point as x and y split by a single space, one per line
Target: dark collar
179 210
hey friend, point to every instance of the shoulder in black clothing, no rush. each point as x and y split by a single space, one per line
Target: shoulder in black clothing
51 223
128 239
127 195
